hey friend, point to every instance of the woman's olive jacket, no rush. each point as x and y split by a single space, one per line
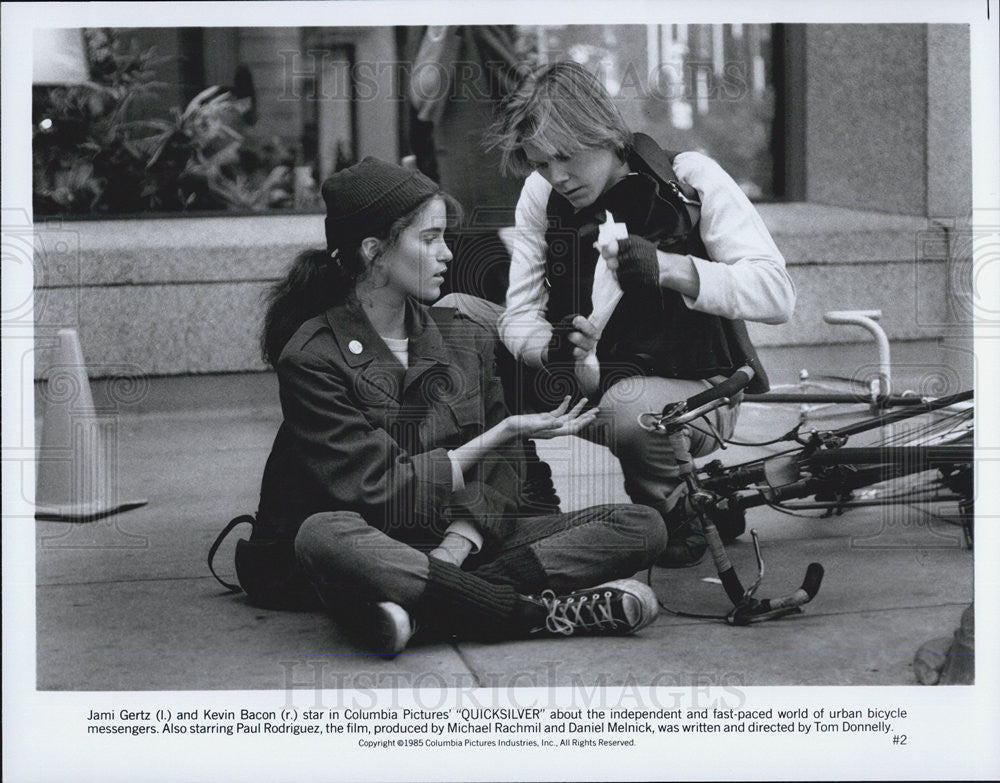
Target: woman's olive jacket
362 433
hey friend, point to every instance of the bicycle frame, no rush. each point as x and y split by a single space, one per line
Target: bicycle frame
820 467
825 467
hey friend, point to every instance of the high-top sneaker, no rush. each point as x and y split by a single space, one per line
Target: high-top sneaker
616 608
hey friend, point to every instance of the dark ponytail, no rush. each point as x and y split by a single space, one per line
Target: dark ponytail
315 282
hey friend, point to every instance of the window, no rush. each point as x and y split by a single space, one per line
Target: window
292 105
199 120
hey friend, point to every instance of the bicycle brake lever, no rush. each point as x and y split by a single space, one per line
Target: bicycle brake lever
672 411
715 433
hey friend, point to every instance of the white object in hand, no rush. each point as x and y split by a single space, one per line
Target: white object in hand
604 296
606 292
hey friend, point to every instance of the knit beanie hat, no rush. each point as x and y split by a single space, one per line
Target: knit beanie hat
365 199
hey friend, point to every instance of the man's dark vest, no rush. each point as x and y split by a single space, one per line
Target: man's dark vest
652 331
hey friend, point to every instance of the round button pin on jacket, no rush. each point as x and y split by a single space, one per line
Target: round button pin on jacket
354 347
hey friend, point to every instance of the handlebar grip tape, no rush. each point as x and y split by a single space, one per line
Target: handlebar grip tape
814 575
810 586
727 388
731 584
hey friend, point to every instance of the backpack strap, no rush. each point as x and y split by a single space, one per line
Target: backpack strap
215 548
660 163
650 157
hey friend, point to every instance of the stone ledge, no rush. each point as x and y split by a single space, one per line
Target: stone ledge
155 329
213 327
258 248
179 296
171 250
816 234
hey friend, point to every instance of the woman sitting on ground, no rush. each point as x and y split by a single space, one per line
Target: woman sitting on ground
393 487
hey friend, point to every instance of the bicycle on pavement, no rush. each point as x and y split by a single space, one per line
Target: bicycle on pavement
929 462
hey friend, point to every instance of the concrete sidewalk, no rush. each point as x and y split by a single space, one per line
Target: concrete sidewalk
127 603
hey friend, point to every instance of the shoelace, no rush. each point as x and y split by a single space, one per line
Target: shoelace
588 612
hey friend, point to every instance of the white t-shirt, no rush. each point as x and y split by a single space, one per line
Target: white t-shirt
400 348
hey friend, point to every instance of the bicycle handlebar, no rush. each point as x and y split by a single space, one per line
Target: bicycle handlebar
765 609
678 413
727 388
747 609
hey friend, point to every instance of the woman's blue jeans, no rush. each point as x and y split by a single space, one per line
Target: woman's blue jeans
347 559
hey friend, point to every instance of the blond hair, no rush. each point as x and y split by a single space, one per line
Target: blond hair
560 109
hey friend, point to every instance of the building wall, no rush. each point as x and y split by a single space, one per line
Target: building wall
949 104
888 166
185 295
866 117
887 110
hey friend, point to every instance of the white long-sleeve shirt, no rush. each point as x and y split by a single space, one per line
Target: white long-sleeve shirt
745 279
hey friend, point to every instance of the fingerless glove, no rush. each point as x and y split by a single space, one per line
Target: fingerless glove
637 263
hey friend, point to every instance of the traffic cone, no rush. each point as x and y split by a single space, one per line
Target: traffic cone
78 456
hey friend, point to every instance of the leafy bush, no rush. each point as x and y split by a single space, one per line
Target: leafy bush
89 157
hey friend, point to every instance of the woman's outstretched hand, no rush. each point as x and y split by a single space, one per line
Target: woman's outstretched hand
561 421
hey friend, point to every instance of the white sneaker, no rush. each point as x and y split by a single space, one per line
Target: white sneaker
392 628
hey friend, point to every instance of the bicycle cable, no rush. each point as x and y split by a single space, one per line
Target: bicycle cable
791 435
784 510
917 493
912 494
929 428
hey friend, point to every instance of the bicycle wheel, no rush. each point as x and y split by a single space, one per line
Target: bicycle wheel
922 461
918 453
954 424
927 463
951 431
